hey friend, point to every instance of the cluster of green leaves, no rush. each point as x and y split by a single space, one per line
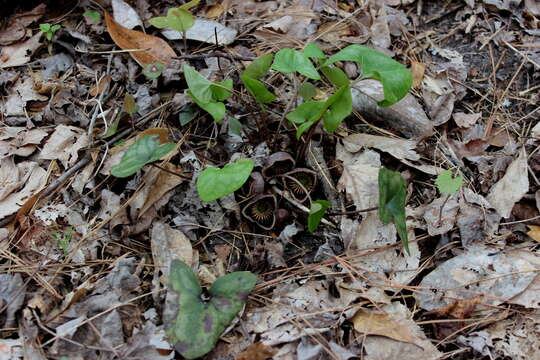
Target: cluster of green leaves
179 19
208 95
49 30
198 325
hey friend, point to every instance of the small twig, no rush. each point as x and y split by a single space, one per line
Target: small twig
214 54
169 171
442 207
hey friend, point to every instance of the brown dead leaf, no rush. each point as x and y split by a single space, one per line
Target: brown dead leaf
215 11
15 29
417 69
168 244
163 184
371 323
460 309
256 351
534 232
333 31
155 49
102 84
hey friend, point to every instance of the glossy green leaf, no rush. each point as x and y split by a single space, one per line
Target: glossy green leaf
307 111
144 150
198 84
448 184
335 75
179 19
316 213
392 200
259 67
198 325
312 50
257 90
45 27
207 94
290 60
213 183
153 70
395 78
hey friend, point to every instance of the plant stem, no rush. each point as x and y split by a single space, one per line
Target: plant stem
354 212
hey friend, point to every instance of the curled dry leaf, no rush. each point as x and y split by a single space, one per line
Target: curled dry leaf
155 49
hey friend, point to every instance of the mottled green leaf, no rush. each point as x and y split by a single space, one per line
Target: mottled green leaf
198 325
144 150
93 16
392 200
213 183
395 78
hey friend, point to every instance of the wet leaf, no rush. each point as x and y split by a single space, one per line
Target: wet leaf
198 325
392 199
154 49
290 60
395 78
145 150
448 184
316 213
213 183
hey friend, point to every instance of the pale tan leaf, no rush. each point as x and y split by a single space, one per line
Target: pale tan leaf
169 244
20 53
372 323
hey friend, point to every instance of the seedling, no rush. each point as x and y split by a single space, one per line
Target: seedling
144 150
179 19
153 70
49 30
447 185
207 94
392 200
63 239
213 183
198 325
93 17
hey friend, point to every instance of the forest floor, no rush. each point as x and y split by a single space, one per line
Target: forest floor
85 255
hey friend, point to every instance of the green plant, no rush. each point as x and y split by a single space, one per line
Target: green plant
316 213
144 150
256 70
179 19
130 108
63 239
153 70
207 95
448 184
392 200
213 183
198 325
93 17
49 30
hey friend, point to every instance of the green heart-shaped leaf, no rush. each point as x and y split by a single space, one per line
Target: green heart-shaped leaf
312 50
257 90
447 184
259 67
316 213
290 60
396 79
392 200
198 325
143 151
179 19
213 183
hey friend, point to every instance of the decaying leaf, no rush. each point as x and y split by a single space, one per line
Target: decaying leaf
169 244
125 15
377 323
399 148
534 232
205 31
499 276
64 145
154 49
511 188
256 351
20 53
